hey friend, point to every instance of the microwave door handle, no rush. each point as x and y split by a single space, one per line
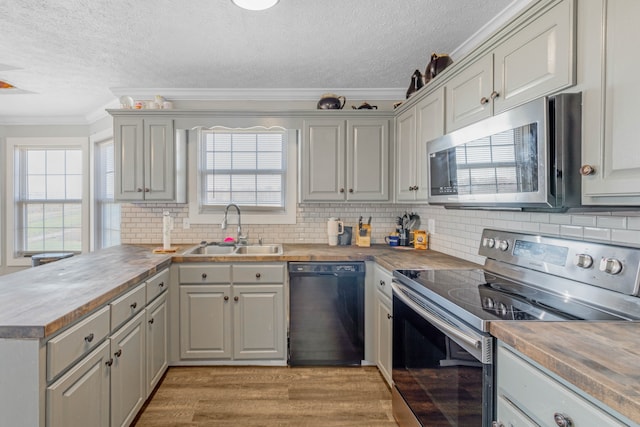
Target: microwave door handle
434 320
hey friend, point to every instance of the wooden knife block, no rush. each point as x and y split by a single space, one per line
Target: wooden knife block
363 236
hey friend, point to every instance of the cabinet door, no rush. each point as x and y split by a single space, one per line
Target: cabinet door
258 322
128 372
80 397
205 322
159 159
468 94
610 135
537 60
367 160
157 343
383 329
323 160
430 125
129 158
405 155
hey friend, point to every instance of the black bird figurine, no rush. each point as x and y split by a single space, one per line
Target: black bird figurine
416 83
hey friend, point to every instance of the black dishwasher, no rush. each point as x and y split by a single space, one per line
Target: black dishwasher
326 313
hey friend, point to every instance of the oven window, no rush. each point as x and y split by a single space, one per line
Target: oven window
440 381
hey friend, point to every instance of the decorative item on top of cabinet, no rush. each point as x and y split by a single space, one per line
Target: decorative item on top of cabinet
341 164
438 62
536 59
416 83
607 34
329 101
414 128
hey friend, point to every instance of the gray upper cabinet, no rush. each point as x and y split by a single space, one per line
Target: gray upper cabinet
345 160
144 159
607 39
414 128
534 59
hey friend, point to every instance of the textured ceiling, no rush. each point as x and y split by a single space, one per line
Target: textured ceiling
67 55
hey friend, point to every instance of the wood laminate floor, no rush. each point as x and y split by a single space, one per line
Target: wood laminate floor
270 396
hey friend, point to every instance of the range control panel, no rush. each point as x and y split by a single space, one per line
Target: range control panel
611 267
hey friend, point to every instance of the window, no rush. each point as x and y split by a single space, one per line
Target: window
107 212
243 167
254 168
48 200
47 207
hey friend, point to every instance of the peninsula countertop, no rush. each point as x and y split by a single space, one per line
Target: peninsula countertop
38 302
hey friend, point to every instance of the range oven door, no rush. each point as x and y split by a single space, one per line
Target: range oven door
437 382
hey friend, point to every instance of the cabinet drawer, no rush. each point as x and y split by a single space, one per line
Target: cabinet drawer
157 285
258 273
382 280
76 341
128 305
205 274
539 396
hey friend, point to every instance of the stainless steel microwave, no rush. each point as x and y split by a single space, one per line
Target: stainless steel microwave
526 158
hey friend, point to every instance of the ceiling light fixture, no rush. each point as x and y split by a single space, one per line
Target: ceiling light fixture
255 4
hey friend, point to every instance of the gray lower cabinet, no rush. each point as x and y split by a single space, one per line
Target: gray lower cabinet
80 398
529 395
157 341
383 322
232 312
128 371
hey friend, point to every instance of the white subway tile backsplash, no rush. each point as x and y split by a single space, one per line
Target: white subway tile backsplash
572 231
612 222
593 233
584 220
626 236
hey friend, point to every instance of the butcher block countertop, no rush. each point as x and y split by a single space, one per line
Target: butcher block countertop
38 302
600 358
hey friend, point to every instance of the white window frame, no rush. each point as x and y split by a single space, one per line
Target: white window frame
96 242
42 143
286 216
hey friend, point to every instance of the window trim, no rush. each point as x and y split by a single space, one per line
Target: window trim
10 186
249 216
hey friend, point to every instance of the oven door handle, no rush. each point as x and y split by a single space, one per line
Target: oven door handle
434 320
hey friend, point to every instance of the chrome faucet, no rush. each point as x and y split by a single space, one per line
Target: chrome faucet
241 239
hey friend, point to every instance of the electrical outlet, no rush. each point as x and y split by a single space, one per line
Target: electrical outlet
186 223
431 224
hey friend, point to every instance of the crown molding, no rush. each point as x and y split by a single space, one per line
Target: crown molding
43 121
101 112
258 94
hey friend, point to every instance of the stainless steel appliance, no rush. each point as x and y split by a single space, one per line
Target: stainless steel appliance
443 362
525 158
326 320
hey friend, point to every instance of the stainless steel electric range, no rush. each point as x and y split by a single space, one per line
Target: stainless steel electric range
443 361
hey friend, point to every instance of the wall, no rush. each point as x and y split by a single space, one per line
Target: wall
457 232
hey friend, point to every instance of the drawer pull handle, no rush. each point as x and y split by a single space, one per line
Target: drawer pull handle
236 299
118 353
89 337
258 275
562 420
151 321
204 275
134 305
109 362
226 298
161 284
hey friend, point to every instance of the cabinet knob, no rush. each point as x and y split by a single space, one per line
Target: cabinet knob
258 275
236 299
146 190
351 190
389 316
134 305
139 190
411 188
382 283
151 321
89 337
497 424
342 190
587 170
109 362
484 100
562 420
226 298
161 284
204 275
415 188
118 353
494 95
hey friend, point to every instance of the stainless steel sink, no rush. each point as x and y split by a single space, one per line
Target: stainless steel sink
250 250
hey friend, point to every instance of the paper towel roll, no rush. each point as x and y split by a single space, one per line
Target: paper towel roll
166 230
